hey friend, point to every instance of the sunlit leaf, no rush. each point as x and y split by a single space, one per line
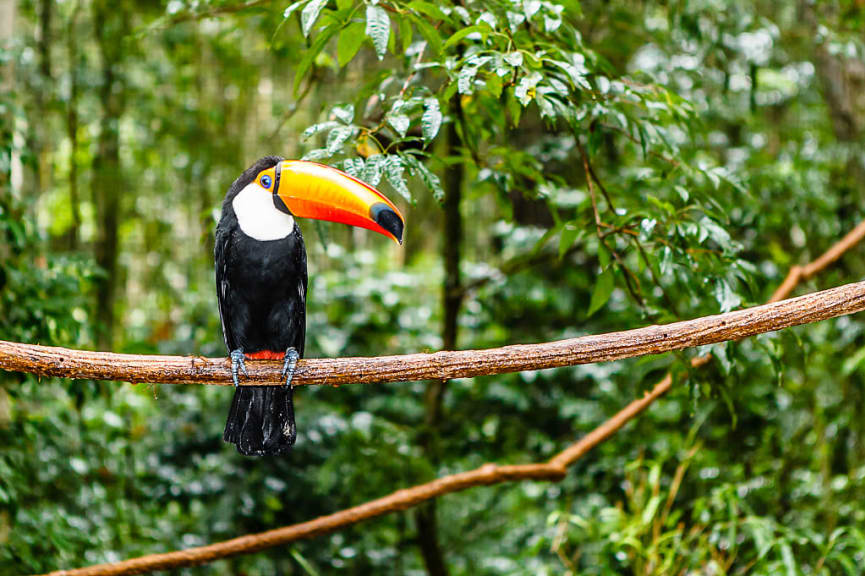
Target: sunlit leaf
378 28
431 120
309 15
394 172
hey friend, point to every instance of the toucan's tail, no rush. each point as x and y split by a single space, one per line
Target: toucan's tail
261 420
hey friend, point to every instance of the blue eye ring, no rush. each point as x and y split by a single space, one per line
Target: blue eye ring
266 181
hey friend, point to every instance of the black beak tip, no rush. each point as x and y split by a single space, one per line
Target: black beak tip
384 216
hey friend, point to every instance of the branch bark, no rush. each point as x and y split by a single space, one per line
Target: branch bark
443 365
552 470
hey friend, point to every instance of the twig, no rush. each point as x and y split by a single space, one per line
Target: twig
636 292
553 470
294 108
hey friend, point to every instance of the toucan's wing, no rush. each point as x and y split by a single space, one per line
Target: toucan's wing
221 253
302 323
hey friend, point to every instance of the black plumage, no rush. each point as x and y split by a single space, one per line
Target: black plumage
261 288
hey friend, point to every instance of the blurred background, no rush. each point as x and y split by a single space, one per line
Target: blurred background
564 167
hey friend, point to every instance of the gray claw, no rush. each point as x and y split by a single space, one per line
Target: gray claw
288 367
238 361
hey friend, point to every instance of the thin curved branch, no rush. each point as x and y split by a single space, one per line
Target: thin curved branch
443 365
552 470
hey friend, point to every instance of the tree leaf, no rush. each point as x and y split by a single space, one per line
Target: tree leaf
603 289
354 167
466 76
309 15
427 9
460 34
430 179
378 29
393 171
494 85
316 128
337 137
525 90
292 8
350 40
569 235
515 59
344 114
429 33
431 120
398 119
373 170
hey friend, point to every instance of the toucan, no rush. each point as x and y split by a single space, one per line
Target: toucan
261 280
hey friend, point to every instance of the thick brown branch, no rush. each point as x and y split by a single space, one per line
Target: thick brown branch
443 365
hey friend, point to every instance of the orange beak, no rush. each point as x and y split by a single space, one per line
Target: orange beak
313 190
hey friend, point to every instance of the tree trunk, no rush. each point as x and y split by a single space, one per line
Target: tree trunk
110 23
73 235
425 516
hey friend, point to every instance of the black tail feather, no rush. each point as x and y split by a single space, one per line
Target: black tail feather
261 420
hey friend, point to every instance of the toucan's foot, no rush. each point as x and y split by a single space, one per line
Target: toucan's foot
237 362
288 367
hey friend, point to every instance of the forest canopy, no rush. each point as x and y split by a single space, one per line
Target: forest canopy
565 168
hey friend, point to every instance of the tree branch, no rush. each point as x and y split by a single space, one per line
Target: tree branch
552 470
443 365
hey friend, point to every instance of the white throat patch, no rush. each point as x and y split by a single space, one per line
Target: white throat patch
258 217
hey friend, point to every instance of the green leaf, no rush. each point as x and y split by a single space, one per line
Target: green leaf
569 235
405 33
337 137
304 563
603 289
430 180
344 114
292 8
714 231
310 14
525 90
726 296
466 76
460 34
350 40
373 170
316 128
603 257
515 59
431 120
429 33
398 119
514 108
427 9
378 29
393 171
354 167
494 85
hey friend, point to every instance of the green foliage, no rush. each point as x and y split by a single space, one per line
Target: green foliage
620 163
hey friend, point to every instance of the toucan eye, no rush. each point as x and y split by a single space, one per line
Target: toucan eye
266 182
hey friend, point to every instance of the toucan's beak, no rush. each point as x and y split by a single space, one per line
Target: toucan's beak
313 190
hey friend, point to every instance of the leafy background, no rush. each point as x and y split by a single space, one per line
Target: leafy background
565 168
